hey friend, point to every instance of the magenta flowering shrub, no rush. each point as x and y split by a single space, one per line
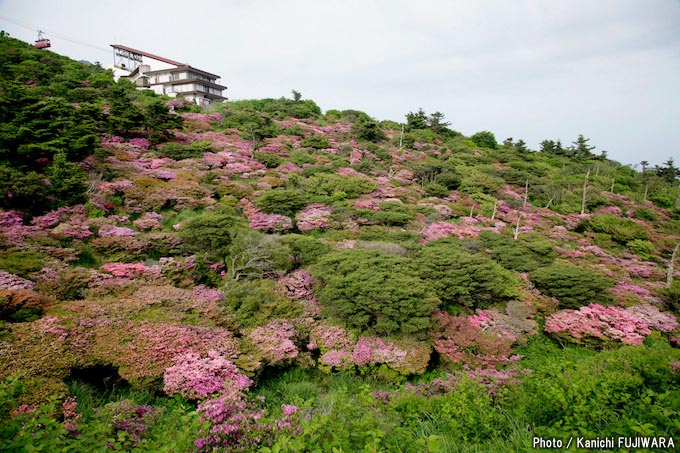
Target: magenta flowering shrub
132 419
142 351
149 221
14 282
340 350
598 325
69 411
138 142
275 341
270 223
490 378
470 228
325 337
133 270
514 326
404 356
314 217
195 377
108 231
297 285
461 340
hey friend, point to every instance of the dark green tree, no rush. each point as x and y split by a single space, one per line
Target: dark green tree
67 182
375 293
159 122
668 172
573 286
460 278
581 148
485 139
417 120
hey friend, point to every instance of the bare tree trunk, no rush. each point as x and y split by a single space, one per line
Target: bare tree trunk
644 197
472 209
401 138
597 169
585 190
551 200
669 272
516 232
612 188
526 193
495 205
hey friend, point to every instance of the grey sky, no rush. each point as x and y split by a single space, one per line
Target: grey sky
531 69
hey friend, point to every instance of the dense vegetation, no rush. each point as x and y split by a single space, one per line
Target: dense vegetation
263 276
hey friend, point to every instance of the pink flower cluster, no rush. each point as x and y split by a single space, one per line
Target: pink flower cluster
139 142
493 380
603 324
439 230
503 325
132 270
195 377
623 290
274 341
108 231
14 282
314 217
270 223
297 285
341 351
149 221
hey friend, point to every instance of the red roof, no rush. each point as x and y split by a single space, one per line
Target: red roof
149 55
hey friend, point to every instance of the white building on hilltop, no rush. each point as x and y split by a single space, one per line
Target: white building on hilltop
166 76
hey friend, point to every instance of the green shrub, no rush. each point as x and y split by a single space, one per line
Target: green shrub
269 160
621 230
645 214
22 262
524 255
392 213
331 184
460 278
369 131
671 296
484 139
305 250
281 201
315 141
300 157
374 292
212 233
178 151
435 189
449 179
256 302
573 286
643 249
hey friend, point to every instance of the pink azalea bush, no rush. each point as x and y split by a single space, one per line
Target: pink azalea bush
599 324
132 270
274 341
107 231
271 223
314 217
14 282
149 221
195 377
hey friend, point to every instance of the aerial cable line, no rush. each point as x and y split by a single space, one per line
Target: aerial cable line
56 35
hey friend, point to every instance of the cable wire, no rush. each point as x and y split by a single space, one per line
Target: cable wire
50 33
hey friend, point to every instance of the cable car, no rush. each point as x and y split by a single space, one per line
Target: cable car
42 43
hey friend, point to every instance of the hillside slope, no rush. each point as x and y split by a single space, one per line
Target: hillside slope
460 292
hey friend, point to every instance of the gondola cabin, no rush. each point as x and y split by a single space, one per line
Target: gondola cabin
42 43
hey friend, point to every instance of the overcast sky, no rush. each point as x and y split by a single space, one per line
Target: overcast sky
531 69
